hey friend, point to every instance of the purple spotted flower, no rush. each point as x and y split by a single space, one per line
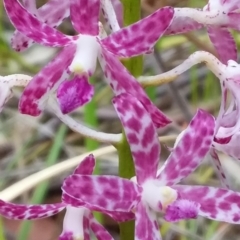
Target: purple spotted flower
80 53
154 191
227 128
217 16
52 13
77 222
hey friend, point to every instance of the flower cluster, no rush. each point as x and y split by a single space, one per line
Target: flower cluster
62 85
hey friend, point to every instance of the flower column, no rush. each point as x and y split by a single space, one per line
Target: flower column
131 14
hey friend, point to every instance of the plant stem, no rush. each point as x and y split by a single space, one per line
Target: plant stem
131 14
126 170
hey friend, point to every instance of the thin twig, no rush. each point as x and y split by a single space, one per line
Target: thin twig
176 95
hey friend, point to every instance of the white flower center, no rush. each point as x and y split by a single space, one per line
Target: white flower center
156 196
73 222
85 58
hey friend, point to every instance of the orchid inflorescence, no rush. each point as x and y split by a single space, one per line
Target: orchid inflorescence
63 86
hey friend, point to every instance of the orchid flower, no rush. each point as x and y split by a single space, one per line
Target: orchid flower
51 13
217 16
227 129
80 53
77 222
154 191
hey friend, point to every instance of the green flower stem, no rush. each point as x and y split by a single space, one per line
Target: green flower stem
131 14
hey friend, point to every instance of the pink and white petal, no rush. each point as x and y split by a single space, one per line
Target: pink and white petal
30 5
86 167
229 5
219 169
141 135
99 231
117 216
20 42
121 216
215 203
133 40
224 134
231 148
121 81
28 212
86 226
103 193
113 13
66 236
118 7
73 223
47 80
146 225
234 18
72 94
52 13
229 119
181 25
85 16
190 150
224 43
30 26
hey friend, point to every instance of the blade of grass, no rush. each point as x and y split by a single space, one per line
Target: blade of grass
40 192
2 236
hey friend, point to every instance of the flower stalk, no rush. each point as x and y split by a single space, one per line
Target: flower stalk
131 14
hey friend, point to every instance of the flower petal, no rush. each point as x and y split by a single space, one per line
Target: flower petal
190 150
27 212
141 135
117 216
146 226
181 25
99 231
181 209
234 18
85 16
30 26
122 81
219 169
73 223
133 40
118 7
103 193
224 43
113 13
215 203
74 93
231 148
49 78
52 13
30 5
121 216
229 5
86 167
